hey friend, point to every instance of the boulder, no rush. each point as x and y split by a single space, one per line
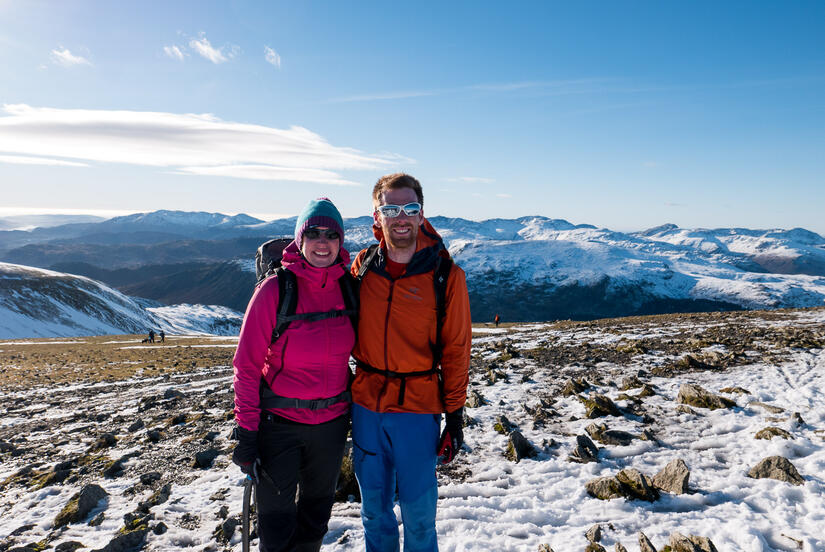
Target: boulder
204 458
594 534
695 395
599 405
647 391
68 546
637 485
770 432
604 488
630 382
620 548
585 451
673 478
681 543
503 425
685 409
574 386
80 505
776 467
769 407
605 436
519 448
594 547
644 543
738 390
474 399
158 497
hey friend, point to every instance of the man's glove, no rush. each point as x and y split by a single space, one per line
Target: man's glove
245 454
452 437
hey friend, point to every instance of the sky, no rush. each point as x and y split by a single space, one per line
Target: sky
625 115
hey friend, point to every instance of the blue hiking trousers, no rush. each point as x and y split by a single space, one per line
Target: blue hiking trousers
396 448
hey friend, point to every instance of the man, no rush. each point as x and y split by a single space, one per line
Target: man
399 391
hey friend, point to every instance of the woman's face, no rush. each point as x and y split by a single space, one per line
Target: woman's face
320 246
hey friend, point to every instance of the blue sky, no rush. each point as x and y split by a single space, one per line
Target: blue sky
618 114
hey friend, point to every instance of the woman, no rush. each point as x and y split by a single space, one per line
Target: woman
281 446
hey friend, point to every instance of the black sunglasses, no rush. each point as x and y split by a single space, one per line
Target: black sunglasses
314 234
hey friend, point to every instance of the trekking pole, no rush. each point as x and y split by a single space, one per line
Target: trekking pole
245 522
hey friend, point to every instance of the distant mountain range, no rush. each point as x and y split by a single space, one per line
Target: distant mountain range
43 303
530 268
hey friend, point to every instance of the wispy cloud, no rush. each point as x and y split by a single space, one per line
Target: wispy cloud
174 52
182 143
471 180
559 87
62 56
388 96
272 57
25 160
216 55
504 196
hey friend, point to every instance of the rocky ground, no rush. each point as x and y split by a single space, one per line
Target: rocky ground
101 436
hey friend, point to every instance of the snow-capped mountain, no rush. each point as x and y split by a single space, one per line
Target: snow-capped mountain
529 268
43 303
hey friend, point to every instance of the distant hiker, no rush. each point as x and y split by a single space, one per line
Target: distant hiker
291 398
497 319
162 336
411 294
151 336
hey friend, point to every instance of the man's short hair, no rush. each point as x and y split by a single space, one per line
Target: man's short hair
394 182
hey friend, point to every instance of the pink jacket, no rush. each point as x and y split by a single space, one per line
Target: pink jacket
310 360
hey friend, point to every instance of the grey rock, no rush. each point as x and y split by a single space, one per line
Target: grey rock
80 505
770 432
128 541
172 394
599 405
158 497
620 548
776 467
630 382
673 478
68 546
644 543
519 448
605 436
637 485
685 409
160 528
585 451
694 395
594 534
137 425
681 543
474 399
594 547
769 407
150 477
203 459
604 488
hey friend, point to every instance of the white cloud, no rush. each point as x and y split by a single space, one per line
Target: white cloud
504 196
184 143
24 160
216 55
67 59
272 57
174 52
471 180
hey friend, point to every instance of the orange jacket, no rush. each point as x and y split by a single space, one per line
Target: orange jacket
397 327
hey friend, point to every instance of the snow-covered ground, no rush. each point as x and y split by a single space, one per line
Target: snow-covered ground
488 503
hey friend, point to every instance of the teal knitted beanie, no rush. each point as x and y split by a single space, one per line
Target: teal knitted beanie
319 212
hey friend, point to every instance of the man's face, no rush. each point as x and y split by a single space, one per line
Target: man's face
400 232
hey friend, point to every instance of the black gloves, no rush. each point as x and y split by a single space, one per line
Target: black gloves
452 437
245 454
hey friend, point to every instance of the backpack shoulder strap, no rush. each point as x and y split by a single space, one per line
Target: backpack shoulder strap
287 301
369 258
349 291
440 275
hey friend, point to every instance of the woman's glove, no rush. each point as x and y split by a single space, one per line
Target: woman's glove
245 454
452 437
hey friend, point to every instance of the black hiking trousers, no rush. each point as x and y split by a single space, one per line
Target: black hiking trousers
302 458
